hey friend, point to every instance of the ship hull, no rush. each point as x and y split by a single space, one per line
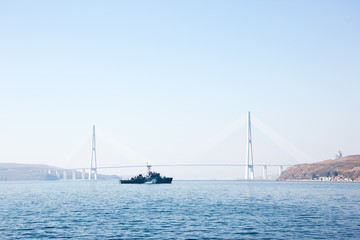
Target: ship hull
136 181
163 180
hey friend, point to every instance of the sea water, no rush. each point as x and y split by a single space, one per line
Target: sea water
181 210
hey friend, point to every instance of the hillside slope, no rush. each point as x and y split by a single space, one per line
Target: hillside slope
23 172
345 168
26 172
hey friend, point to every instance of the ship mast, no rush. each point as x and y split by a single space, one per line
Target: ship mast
148 167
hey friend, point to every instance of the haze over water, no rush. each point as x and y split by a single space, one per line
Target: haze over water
182 210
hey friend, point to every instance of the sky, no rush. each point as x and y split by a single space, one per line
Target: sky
170 82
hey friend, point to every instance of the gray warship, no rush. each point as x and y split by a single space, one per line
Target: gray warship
150 178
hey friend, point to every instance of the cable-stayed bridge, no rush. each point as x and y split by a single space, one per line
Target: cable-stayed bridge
92 171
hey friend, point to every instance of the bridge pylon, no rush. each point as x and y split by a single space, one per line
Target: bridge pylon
93 167
249 168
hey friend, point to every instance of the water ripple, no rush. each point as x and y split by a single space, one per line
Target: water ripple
182 210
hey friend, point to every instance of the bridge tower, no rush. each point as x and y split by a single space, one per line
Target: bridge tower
93 169
249 168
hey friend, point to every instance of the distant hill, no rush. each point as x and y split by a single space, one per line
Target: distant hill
25 172
342 169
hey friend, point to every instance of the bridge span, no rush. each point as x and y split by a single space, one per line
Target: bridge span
75 172
81 173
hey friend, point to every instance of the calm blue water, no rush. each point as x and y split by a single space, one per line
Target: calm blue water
182 210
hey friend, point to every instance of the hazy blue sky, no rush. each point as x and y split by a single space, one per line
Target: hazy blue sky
171 81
